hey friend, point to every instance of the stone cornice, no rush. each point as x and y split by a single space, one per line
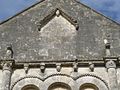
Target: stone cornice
81 63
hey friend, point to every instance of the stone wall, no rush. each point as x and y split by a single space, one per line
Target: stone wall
118 78
59 42
0 78
87 42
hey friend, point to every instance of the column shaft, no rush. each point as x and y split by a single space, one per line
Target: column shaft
111 66
112 79
6 79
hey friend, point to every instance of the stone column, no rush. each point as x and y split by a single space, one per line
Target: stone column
7 71
112 74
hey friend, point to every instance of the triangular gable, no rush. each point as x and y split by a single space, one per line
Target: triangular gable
25 10
86 41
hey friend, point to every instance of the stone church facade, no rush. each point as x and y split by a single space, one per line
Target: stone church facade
59 45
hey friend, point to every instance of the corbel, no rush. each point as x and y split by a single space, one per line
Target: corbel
58 67
26 68
42 67
75 66
91 67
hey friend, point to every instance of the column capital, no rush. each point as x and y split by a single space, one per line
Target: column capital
111 62
7 64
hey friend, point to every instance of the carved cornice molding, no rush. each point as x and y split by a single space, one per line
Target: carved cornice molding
98 63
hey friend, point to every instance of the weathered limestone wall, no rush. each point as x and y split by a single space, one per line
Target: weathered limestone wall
86 43
59 31
0 78
118 77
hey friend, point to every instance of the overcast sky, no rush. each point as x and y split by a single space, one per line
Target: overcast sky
110 8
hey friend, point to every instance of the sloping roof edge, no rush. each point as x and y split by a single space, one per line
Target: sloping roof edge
4 21
98 12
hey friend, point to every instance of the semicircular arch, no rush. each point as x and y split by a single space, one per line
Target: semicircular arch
58 78
91 79
25 81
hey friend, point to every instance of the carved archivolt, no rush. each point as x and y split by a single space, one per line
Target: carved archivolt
92 79
28 80
59 86
61 78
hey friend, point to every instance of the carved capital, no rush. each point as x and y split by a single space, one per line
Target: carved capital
7 65
110 64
